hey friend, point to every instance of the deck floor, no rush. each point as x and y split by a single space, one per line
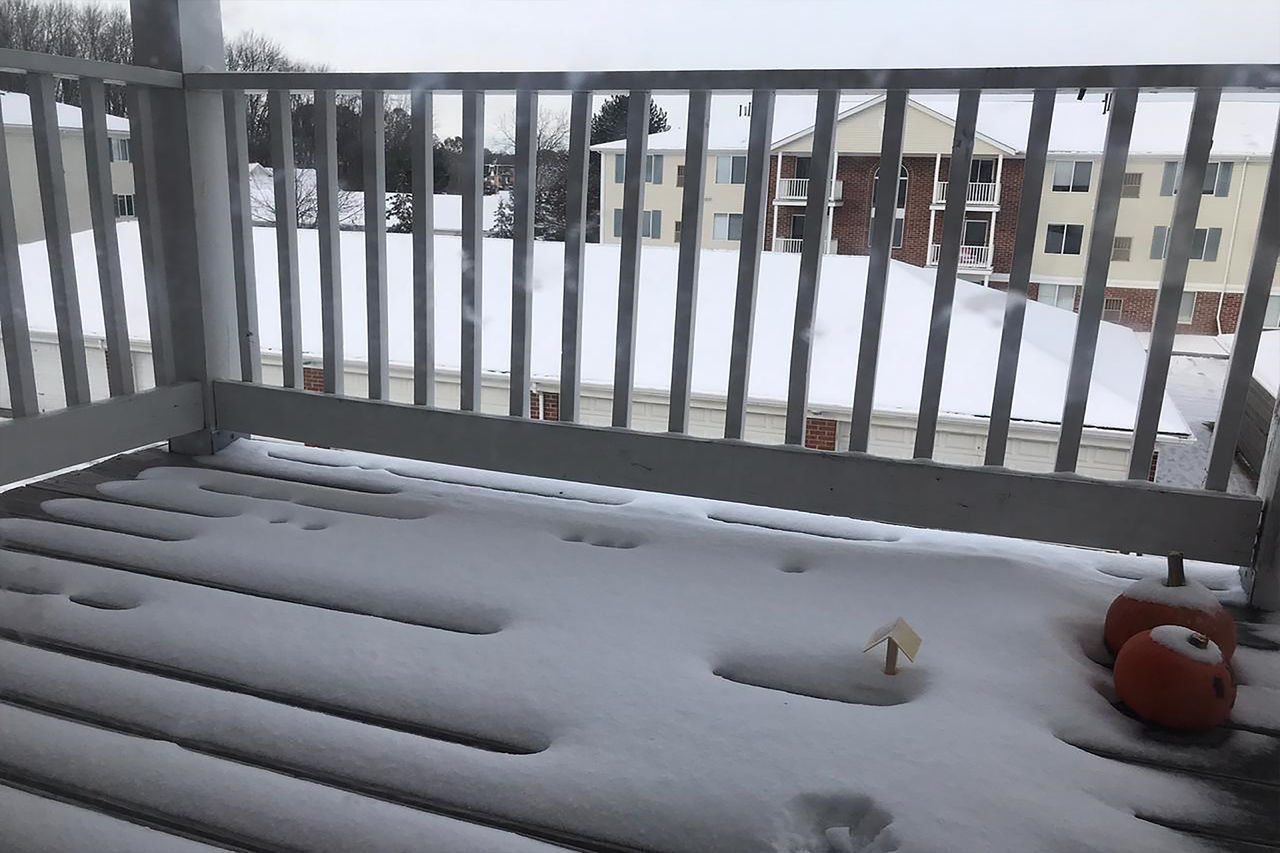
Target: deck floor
157 695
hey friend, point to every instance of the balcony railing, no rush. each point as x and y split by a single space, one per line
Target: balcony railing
980 194
191 169
797 190
795 244
971 257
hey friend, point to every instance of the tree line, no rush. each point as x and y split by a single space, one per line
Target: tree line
95 31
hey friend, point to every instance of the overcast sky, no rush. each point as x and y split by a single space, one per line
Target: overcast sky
483 35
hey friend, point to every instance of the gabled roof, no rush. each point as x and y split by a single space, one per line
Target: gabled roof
15 110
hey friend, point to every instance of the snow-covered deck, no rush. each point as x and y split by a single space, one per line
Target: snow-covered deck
287 648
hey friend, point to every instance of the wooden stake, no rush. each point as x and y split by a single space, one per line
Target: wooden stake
1177 575
891 658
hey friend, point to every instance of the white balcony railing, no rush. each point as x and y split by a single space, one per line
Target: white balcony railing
797 189
199 279
983 193
793 245
971 257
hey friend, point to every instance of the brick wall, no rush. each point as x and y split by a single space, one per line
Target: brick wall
820 433
313 379
535 410
1231 304
550 406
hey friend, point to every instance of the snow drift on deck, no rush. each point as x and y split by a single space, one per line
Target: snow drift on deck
976 322
652 673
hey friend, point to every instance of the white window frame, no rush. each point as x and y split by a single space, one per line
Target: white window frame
722 227
1206 243
653 168
1071 185
646 223
986 232
900 203
1056 294
727 171
1187 308
1217 178
979 164
1121 249
1115 307
119 149
1271 314
1065 226
124 204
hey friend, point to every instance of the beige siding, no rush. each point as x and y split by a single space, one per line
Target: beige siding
668 197
861 133
1236 214
26 188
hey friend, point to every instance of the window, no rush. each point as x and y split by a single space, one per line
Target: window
797 226
731 169
619 168
903 183
1122 248
1271 319
802 166
1058 295
677 230
727 226
1217 179
1132 185
119 149
650 223
124 206
1112 310
982 171
1187 308
1072 176
653 168
900 204
975 232
1063 239
679 176
1204 243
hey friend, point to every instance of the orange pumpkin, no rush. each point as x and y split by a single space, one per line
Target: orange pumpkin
1175 677
1171 601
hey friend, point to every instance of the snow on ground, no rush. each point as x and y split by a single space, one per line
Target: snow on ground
1266 368
976 322
446 209
666 673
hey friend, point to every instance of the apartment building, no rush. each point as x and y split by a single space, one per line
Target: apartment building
15 113
1226 227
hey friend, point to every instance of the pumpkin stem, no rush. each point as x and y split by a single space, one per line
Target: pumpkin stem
1200 641
1177 575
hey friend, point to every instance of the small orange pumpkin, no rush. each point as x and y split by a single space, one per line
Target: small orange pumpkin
1175 677
1172 601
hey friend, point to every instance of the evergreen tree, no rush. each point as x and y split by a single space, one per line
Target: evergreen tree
400 213
504 220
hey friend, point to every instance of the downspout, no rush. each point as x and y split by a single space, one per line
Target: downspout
1231 243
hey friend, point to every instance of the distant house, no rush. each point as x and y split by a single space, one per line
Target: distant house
15 113
966 391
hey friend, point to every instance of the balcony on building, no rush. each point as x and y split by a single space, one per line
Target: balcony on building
796 191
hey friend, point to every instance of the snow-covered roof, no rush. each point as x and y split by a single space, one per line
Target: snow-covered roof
15 109
1266 368
976 323
1245 128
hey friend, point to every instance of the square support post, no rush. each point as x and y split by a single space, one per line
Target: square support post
195 207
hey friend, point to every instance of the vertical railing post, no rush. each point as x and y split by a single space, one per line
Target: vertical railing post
191 188
1262 579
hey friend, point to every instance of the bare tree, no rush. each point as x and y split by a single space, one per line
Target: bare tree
85 30
553 130
262 200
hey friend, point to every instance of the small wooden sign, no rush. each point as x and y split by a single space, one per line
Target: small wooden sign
898 635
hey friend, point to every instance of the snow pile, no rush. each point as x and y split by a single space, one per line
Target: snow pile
1193 595
972 353
636 673
1177 638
